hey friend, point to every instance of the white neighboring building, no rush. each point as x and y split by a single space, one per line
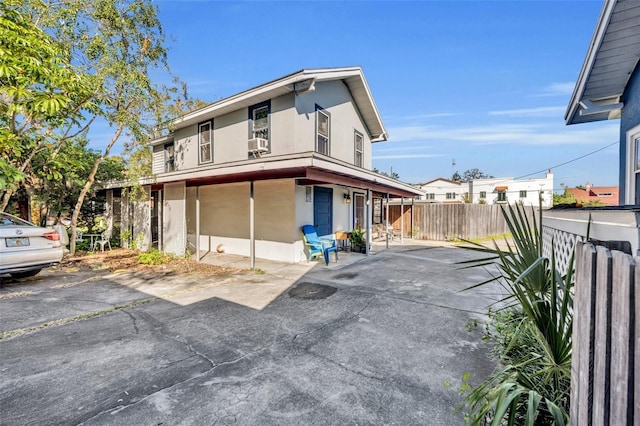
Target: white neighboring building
443 190
509 190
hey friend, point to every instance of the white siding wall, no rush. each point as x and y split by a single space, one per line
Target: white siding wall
157 165
292 127
334 97
514 186
440 188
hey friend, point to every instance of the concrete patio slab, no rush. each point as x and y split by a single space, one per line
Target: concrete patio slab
381 339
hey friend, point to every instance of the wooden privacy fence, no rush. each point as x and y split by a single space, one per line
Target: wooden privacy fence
605 365
442 222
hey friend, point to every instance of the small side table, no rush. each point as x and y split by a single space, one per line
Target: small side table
344 240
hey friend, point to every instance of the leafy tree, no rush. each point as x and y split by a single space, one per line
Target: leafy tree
470 175
59 187
564 198
392 174
41 95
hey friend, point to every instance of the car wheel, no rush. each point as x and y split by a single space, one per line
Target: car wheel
26 274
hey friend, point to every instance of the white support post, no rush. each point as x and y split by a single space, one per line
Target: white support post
252 240
367 221
402 220
386 221
198 223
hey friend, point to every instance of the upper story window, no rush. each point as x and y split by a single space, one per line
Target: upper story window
205 142
359 149
323 129
259 121
169 157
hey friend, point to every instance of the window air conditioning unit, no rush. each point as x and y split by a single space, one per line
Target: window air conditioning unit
257 145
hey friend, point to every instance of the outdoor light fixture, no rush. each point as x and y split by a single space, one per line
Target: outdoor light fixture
347 198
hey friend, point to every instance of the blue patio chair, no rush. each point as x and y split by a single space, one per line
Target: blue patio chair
318 246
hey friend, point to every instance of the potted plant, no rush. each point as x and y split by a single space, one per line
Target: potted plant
358 242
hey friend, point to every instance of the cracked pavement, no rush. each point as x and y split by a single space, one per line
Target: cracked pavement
390 346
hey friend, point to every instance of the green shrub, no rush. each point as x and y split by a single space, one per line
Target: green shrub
531 333
154 257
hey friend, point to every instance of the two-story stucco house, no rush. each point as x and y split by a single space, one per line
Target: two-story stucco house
247 172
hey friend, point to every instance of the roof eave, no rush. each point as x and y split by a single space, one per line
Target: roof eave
574 109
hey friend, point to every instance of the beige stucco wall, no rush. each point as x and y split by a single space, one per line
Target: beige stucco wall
224 219
173 220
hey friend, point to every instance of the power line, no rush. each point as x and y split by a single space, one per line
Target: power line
568 162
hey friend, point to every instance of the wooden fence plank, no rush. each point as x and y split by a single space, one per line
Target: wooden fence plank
440 222
621 395
635 369
583 335
602 341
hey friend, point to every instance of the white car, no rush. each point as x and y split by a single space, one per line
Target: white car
26 248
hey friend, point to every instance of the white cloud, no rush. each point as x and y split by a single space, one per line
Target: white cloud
557 89
524 134
551 111
404 156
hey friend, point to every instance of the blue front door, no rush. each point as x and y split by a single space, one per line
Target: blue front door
323 210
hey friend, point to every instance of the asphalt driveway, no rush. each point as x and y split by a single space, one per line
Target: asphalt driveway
371 340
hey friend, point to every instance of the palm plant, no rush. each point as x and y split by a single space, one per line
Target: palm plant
532 328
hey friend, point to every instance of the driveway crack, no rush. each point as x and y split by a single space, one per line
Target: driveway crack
339 320
214 366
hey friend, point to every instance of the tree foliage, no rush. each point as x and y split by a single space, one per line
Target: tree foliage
41 96
469 175
115 47
392 174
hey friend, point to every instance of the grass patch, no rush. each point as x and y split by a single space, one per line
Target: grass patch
15 294
63 321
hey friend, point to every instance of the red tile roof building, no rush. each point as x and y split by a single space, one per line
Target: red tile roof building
605 194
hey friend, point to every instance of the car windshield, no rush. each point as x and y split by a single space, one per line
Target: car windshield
8 220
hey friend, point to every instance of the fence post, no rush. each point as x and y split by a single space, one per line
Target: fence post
583 335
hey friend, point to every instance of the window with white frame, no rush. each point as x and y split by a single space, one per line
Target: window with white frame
450 196
502 196
359 149
523 194
169 157
259 121
431 196
205 142
323 131
483 194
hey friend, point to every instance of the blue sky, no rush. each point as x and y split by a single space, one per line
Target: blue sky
484 83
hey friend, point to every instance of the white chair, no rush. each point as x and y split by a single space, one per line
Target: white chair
102 241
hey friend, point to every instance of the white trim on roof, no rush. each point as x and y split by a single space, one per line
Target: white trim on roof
353 77
603 76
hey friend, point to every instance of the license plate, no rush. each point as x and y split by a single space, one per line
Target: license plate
17 242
